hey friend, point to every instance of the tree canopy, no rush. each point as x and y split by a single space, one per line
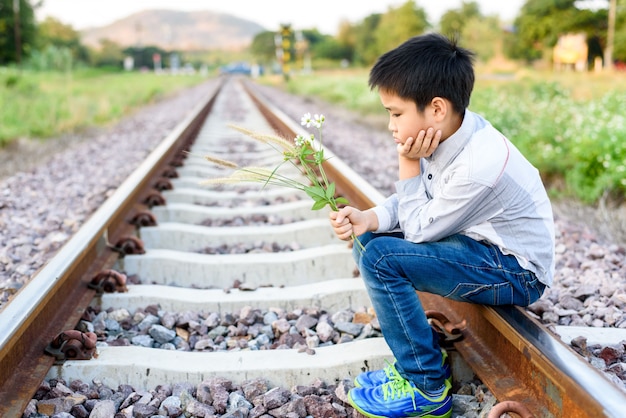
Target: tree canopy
535 30
18 29
454 21
398 25
472 29
54 32
540 23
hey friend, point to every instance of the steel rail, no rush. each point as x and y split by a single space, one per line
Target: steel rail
55 299
518 358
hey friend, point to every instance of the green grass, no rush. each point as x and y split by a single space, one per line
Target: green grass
349 89
41 105
572 126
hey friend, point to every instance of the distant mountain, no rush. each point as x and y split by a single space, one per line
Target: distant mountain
170 29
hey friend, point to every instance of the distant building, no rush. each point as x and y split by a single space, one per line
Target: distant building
571 52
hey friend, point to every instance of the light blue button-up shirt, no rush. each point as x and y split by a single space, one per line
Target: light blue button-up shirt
478 184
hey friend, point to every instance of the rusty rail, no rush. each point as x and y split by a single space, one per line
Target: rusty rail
55 299
518 358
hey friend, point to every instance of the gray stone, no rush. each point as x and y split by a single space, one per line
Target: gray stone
103 409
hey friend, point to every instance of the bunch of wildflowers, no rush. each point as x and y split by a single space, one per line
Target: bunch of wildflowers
302 153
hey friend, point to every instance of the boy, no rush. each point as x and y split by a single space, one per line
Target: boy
470 220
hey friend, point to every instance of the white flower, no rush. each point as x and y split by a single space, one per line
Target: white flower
300 140
306 120
318 120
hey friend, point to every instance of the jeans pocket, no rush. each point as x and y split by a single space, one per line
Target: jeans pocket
534 289
485 294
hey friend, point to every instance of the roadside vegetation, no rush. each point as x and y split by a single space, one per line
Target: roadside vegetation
44 104
571 124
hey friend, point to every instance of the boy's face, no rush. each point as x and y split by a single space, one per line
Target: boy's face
404 118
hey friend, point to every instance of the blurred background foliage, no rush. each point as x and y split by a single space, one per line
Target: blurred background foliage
570 122
530 37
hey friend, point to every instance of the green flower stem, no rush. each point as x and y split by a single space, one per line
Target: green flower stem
304 154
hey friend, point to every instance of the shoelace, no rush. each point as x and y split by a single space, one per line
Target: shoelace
390 370
398 387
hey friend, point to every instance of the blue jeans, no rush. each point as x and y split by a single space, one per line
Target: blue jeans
456 267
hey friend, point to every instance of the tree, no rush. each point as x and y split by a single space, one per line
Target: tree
346 39
51 58
365 51
330 48
482 35
325 46
109 54
143 57
263 47
614 38
610 41
52 32
541 22
18 29
619 41
400 24
454 21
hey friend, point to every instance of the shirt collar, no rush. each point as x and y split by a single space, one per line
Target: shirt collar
452 146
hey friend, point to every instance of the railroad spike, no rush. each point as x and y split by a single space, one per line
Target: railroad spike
448 332
73 345
144 218
163 184
109 281
170 173
177 161
154 199
129 245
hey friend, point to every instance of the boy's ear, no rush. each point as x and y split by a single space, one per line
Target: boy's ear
440 108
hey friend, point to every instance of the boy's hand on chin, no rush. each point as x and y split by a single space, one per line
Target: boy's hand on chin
421 146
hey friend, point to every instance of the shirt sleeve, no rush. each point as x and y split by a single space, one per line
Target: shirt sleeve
460 204
387 214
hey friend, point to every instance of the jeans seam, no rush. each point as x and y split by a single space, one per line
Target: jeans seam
499 267
494 287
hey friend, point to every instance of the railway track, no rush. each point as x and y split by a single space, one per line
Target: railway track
180 265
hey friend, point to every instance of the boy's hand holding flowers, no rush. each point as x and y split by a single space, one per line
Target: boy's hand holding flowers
349 222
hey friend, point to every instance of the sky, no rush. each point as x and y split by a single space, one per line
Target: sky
325 15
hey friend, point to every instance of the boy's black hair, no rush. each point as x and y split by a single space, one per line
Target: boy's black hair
425 67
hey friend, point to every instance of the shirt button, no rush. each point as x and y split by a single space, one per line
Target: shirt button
430 220
430 177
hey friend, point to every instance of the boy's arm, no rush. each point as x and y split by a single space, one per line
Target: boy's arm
408 168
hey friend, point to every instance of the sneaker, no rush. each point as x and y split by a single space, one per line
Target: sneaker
378 377
400 398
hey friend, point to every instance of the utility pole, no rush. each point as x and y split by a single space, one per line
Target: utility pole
282 41
16 26
610 37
